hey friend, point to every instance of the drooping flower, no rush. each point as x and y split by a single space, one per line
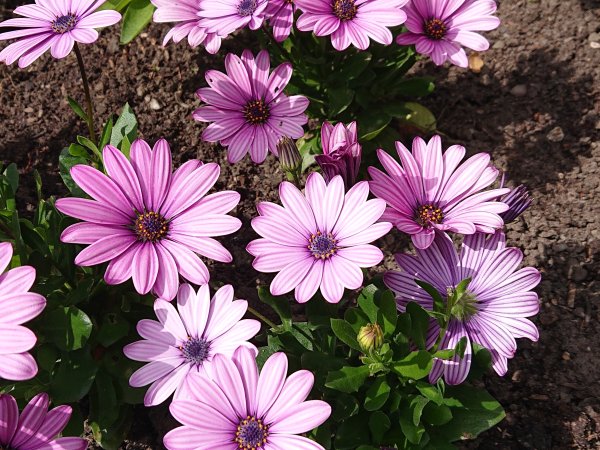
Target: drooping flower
281 18
249 111
518 200
55 26
493 310
185 340
439 28
319 239
37 427
341 152
148 222
242 409
223 17
18 306
185 12
351 21
432 191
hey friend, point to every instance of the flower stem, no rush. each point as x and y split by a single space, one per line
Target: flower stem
280 47
88 97
261 317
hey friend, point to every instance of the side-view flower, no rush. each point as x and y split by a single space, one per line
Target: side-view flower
341 152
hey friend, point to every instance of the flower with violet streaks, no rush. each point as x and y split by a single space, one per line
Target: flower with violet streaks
439 28
223 17
240 409
341 152
492 312
186 13
249 111
281 18
18 306
186 339
431 191
54 25
351 21
37 427
319 239
148 222
518 200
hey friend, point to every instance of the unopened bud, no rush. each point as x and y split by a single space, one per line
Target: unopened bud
290 159
518 200
370 337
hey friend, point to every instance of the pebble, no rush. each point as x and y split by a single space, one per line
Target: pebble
520 90
498 44
556 135
566 356
595 44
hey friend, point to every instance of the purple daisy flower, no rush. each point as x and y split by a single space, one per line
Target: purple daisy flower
281 18
226 16
493 310
148 222
186 339
432 191
249 111
53 25
18 306
351 21
37 427
341 152
242 409
439 28
319 239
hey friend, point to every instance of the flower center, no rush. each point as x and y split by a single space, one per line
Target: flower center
428 214
435 29
151 226
251 434
246 8
464 307
344 9
322 246
65 23
195 350
256 112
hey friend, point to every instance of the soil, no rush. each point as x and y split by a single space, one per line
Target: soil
535 105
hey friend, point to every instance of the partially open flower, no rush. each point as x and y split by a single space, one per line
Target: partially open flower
290 159
518 200
341 152
370 337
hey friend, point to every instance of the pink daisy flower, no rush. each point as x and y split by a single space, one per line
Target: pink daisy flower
186 13
319 239
53 25
281 18
18 306
37 427
226 16
439 28
148 222
249 111
351 21
341 152
432 191
493 310
186 339
242 409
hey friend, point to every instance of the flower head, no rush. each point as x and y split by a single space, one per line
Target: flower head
240 409
319 239
341 152
432 191
370 337
18 306
518 200
223 17
440 28
351 21
249 111
290 159
37 427
281 18
148 222
493 310
55 26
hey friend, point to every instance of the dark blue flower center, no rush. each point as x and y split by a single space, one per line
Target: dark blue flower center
344 9
65 23
435 29
151 226
425 215
195 350
322 246
256 112
251 434
246 7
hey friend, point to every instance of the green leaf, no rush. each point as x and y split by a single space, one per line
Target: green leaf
415 87
347 379
420 117
356 318
279 304
68 328
46 357
437 414
104 405
78 150
419 323
344 406
352 433
414 433
417 404
415 366
377 394
65 162
317 361
379 424
439 304
366 302
138 15
77 108
106 134
353 66
125 126
87 143
73 377
387 316
375 123
114 327
345 333
430 391
339 99
12 175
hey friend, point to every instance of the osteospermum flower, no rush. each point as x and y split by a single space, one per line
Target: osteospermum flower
186 339
319 239
148 222
18 306
53 25
37 427
432 191
185 12
225 16
242 409
351 21
281 18
249 111
341 152
492 311
439 28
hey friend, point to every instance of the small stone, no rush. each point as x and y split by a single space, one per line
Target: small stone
579 274
498 44
516 376
595 44
540 397
566 356
520 90
594 37
28 110
556 135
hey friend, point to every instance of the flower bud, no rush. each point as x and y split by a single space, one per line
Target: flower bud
290 159
370 337
341 152
518 200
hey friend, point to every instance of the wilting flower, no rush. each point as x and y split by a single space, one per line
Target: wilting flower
18 306
55 25
225 16
186 339
493 310
242 409
341 152
249 111
37 427
518 200
186 13
281 18
439 28
351 21
148 222
430 191
319 239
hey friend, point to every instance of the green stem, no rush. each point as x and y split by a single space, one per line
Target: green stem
88 97
280 47
261 317
444 329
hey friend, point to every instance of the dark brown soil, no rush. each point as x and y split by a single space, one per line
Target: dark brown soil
535 106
